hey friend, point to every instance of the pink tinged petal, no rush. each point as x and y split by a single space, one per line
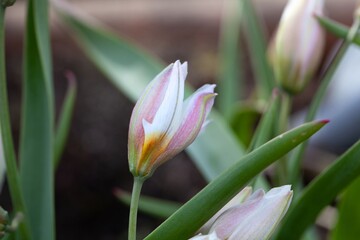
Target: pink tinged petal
167 116
230 220
262 220
145 108
239 198
196 109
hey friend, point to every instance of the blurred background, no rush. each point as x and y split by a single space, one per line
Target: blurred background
95 159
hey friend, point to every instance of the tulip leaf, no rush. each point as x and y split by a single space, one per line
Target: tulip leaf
13 178
258 47
2 164
265 128
336 28
229 79
215 142
63 127
155 207
349 214
243 121
36 143
131 69
319 193
264 131
191 216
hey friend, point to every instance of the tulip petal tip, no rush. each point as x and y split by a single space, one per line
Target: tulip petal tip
325 121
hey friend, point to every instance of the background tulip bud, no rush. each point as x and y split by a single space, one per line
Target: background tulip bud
298 45
162 123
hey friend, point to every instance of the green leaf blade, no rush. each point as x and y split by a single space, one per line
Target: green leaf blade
36 144
66 113
337 29
347 226
229 78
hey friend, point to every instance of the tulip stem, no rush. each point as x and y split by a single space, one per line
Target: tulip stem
138 182
296 157
285 108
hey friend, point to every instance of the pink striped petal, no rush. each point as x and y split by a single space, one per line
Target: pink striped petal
169 112
256 218
196 109
262 222
230 220
235 201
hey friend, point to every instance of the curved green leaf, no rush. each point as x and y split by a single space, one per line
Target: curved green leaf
320 193
337 29
190 217
348 223
63 126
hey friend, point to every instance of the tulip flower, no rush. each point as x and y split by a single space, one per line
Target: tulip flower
254 218
162 123
298 45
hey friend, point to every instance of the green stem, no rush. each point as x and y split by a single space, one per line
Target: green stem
5 126
138 182
285 108
296 157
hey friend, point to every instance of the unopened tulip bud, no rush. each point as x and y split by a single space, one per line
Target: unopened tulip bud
298 45
357 10
162 123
